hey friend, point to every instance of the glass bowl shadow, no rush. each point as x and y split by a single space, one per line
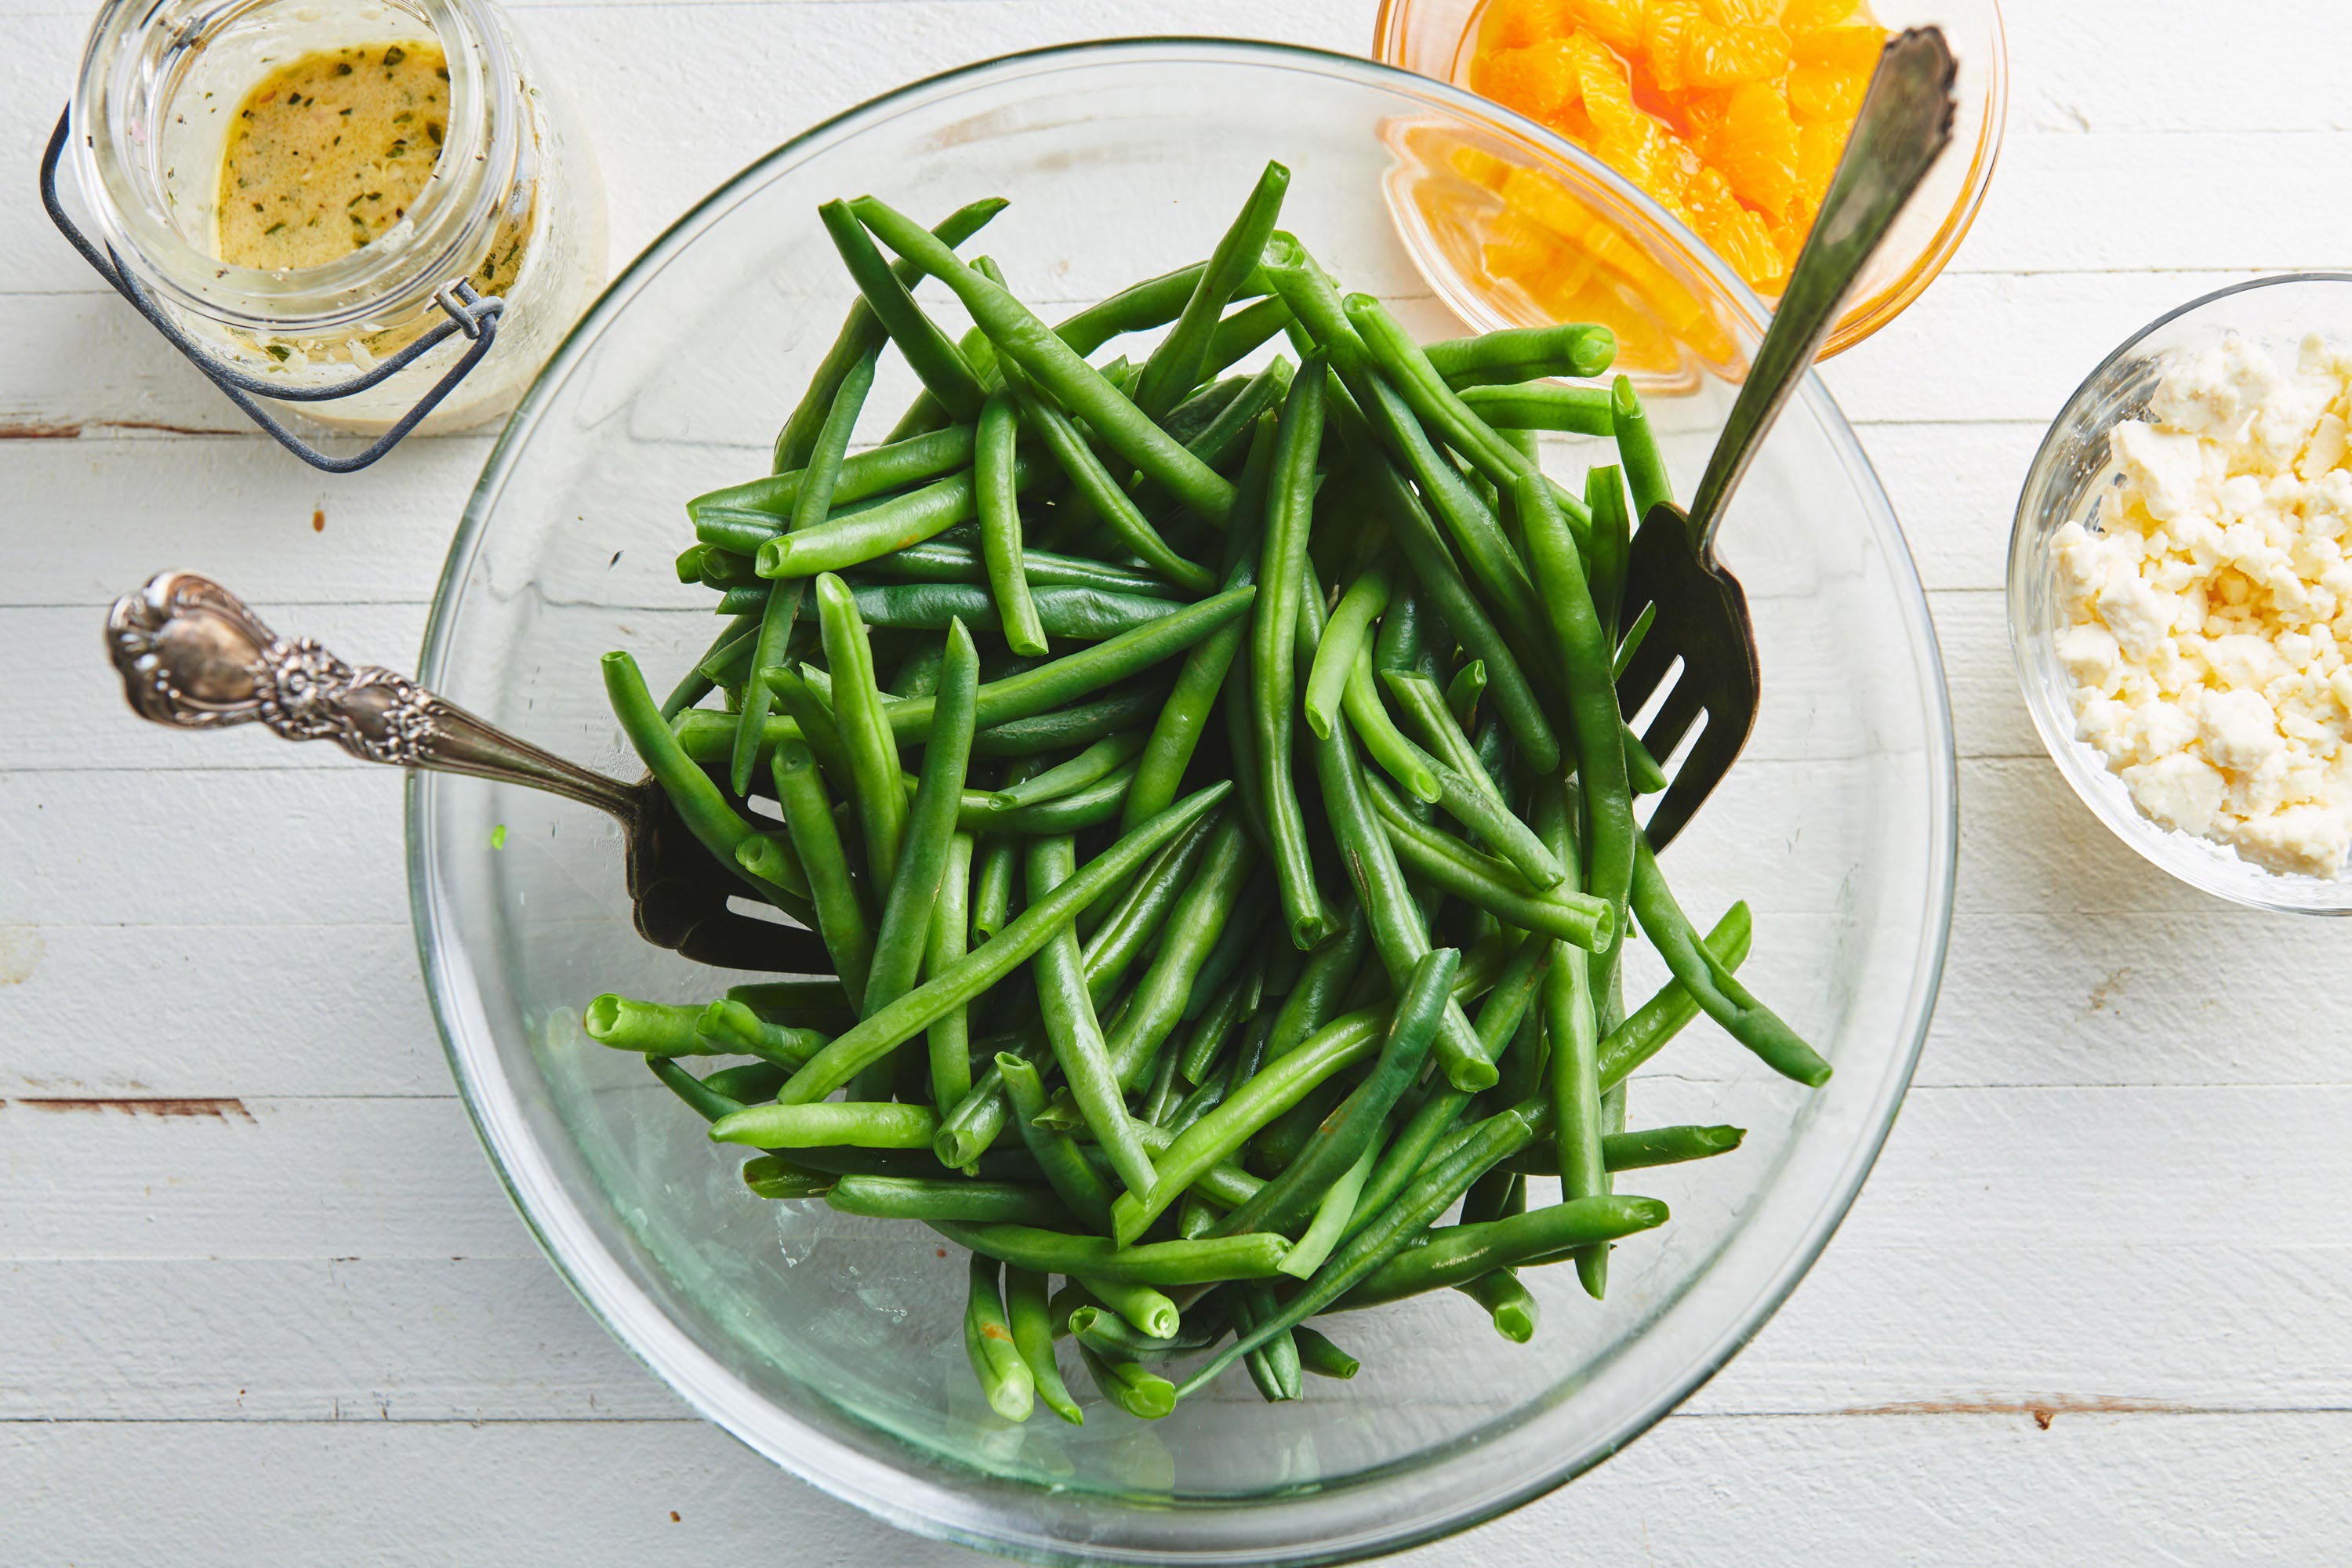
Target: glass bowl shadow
831 1344
2072 465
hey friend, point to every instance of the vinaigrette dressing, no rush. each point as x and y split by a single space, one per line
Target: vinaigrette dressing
329 152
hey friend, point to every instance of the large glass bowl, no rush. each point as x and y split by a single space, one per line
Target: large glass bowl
832 1345
1438 37
2274 313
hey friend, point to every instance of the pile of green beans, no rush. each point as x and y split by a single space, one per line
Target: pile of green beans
1215 781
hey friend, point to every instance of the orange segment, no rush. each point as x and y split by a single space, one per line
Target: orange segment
1718 57
1616 23
1516 24
1539 80
1757 148
1806 15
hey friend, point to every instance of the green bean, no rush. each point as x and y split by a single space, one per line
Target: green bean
777 1180
1461 695
867 742
1571 1015
1154 302
1541 406
1461 1253
1344 637
1000 524
1226 438
1202 406
1451 599
1429 1196
1032 1336
1353 1129
1244 330
1049 686
1711 984
1102 758
1149 1312
949 1039
1439 409
810 721
840 912
748 1083
1597 727
1398 935
1273 645
726 1027
1070 1023
933 358
1004 1375
653 1028
929 829
1091 806
1318 1355
994 864
700 1098
737 638
1143 909
1068 727
1106 1333
1508 1304
1639 1151
1524 354
829 1125
1250 1107
1273 1365
1194 924
1176 733
853 538
879 471
953 561
1162 1264
1215 1026
714 824
860 335
1637 450
947 1197
1066 1170
815 499
1332 1212
875 1037
1424 704
819 1004
1094 484
1020 337
1314 1000
1142 1393
1388 746
1175 367
1447 863
1234 943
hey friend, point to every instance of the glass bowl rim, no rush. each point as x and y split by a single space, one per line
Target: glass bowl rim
1863 318
2145 837
967 1514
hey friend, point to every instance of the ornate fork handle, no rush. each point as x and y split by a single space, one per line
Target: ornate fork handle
193 655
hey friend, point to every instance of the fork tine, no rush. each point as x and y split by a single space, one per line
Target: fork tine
1650 662
1710 759
1684 704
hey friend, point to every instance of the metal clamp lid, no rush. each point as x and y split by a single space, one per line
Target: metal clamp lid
474 315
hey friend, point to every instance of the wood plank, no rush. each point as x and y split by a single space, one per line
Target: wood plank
404 1178
1933 1489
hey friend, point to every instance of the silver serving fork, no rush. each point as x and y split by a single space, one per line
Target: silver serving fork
192 656
1700 611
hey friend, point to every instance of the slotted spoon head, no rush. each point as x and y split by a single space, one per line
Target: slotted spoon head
1701 619
680 895
1699 611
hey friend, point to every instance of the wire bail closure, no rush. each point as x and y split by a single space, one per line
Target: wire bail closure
474 315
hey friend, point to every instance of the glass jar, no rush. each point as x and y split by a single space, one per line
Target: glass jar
513 200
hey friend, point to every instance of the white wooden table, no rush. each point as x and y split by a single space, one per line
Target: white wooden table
262 1300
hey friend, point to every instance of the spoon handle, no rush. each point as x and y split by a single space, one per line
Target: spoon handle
1906 122
193 655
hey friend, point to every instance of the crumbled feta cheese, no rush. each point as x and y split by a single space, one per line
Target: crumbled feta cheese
2209 598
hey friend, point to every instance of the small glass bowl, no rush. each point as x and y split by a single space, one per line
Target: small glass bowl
2274 313
1436 39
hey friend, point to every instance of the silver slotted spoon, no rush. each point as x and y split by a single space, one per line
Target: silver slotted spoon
1701 612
